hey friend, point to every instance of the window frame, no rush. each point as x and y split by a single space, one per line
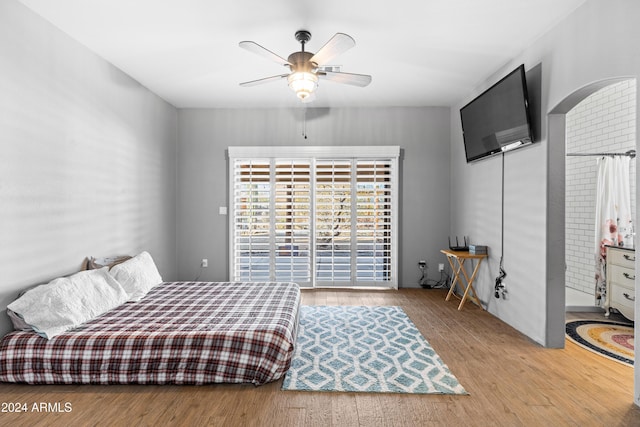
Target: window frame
313 154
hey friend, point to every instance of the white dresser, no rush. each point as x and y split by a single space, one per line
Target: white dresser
621 281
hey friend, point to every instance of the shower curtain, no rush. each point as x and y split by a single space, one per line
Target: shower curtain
614 226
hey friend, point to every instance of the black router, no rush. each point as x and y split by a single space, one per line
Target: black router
457 247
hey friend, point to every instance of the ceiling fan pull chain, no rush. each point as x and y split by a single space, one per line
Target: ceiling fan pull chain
304 122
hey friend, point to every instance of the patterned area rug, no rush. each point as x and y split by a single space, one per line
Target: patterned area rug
365 349
610 339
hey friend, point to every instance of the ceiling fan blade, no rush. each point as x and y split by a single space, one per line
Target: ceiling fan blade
338 44
361 80
262 51
265 80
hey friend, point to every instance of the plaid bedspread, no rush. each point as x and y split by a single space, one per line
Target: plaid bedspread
180 333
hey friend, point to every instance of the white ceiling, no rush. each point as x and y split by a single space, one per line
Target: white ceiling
419 52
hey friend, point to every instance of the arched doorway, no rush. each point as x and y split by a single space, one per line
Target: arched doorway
604 122
556 195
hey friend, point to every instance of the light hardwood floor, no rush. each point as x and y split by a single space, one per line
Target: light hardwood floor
511 381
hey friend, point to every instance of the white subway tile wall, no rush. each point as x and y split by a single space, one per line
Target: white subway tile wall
603 122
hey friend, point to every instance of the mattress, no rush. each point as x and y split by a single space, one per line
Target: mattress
180 333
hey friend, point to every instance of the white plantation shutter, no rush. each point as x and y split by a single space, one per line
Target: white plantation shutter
252 223
374 220
292 221
317 216
333 222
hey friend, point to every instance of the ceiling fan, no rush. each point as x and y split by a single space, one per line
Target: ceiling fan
306 68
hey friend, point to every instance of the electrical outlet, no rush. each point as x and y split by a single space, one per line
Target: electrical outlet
204 263
422 263
441 267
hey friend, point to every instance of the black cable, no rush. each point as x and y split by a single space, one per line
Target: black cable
502 216
443 282
199 274
427 283
499 287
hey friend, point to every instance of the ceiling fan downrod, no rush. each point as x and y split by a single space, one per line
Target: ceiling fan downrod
303 36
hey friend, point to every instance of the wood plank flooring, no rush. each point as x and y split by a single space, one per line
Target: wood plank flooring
511 380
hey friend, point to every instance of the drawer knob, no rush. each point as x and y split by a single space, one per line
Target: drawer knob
627 296
629 257
628 276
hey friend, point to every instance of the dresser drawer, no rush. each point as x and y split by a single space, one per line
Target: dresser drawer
621 276
622 297
621 257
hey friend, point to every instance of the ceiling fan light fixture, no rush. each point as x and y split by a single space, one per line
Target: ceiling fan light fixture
303 83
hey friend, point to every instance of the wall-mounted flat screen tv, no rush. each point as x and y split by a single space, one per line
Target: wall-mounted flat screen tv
498 120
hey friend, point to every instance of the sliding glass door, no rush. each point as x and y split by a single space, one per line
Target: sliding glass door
313 220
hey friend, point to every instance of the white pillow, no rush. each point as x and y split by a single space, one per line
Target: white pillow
67 302
137 275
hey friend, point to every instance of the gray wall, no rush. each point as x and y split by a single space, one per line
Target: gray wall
87 166
476 204
204 135
596 43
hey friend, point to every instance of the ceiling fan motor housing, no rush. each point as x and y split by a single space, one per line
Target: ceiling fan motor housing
300 62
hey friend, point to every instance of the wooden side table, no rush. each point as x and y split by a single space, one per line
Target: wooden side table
456 261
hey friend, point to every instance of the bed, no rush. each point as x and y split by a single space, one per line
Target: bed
178 333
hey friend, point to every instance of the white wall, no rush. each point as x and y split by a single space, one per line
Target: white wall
604 122
421 133
595 43
87 162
